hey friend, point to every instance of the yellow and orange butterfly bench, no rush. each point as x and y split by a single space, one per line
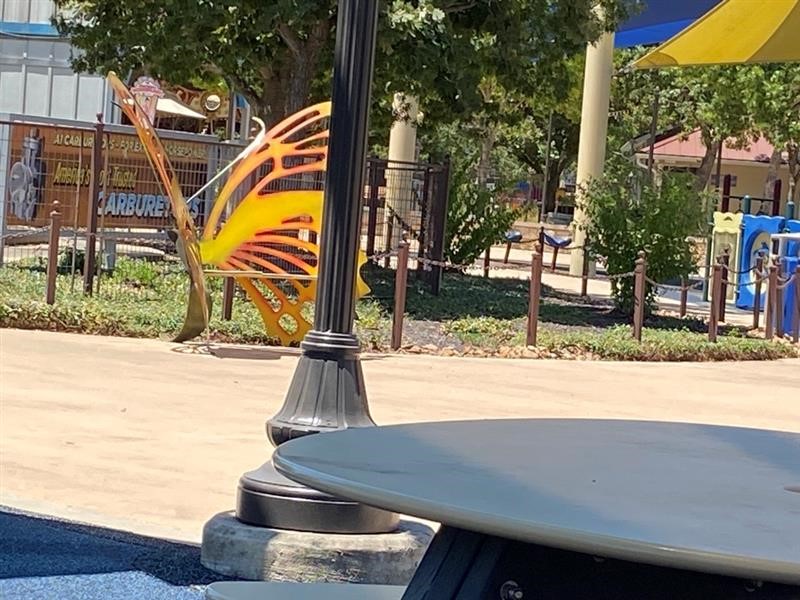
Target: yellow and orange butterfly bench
262 233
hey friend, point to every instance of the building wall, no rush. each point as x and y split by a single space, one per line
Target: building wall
35 74
750 181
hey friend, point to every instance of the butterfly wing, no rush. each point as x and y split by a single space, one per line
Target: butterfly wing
274 228
199 300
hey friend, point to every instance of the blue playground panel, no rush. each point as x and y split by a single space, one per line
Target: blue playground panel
789 265
756 232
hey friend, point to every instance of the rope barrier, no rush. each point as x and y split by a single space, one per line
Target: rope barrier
26 233
786 282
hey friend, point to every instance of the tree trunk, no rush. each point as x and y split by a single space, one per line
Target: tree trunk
286 82
556 168
485 163
703 173
772 172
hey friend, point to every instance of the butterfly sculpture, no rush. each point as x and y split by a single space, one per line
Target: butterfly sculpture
267 240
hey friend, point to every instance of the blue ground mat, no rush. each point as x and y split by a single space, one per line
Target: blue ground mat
44 559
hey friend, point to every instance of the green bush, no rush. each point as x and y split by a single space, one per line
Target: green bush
475 220
627 213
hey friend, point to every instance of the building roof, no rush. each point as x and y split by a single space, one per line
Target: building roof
692 147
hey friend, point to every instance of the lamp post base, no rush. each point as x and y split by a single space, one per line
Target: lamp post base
326 394
266 498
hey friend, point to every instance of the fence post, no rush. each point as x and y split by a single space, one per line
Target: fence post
400 282
372 215
723 292
779 331
725 205
771 308
796 329
716 289
227 298
439 226
91 208
585 272
684 297
487 261
389 235
757 294
640 273
52 254
534 295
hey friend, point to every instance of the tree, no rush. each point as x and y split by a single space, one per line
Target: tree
629 212
775 104
713 100
277 54
527 122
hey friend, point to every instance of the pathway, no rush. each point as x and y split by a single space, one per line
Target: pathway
151 437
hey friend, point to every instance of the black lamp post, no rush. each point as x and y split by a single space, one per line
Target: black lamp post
327 392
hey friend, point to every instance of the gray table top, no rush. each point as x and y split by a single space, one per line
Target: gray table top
715 499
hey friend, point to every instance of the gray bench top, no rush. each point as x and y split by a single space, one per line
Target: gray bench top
699 497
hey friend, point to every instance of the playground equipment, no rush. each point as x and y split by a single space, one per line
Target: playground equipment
725 237
549 239
269 236
756 242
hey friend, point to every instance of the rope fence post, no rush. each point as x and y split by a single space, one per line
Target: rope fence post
684 297
400 282
640 272
585 272
796 328
771 308
716 290
757 294
534 295
723 293
52 254
227 298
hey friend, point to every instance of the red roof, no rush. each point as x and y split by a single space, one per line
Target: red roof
692 146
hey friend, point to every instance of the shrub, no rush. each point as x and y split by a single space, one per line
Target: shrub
627 213
475 220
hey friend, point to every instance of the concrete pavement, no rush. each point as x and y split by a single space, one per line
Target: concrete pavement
151 437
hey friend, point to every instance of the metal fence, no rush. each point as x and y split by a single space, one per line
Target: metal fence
403 198
99 180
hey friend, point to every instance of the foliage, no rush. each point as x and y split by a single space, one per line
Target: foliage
712 99
775 104
478 313
278 54
628 213
527 118
616 343
475 219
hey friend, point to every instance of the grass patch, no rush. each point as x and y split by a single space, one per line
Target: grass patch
145 299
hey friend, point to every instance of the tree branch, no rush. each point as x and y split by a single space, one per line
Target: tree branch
458 7
290 39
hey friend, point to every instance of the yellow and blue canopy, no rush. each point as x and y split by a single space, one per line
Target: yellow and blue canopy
734 32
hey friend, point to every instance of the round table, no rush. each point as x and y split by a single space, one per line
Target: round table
562 506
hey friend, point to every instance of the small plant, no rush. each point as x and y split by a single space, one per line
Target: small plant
628 213
136 273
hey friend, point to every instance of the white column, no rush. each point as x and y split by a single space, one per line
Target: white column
402 147
594 127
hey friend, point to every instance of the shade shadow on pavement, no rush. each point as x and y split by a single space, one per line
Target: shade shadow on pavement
41 558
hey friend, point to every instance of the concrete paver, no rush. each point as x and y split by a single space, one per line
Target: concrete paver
151 437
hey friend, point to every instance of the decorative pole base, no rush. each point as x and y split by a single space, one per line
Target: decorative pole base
326 394
267 499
